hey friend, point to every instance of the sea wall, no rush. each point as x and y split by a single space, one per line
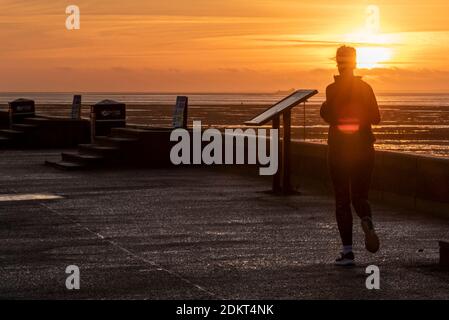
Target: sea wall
411 181
4 119
53 132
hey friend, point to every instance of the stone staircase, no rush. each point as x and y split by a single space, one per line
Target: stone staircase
17 135
45 132
124 146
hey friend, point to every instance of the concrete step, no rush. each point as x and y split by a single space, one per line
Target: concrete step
12 134
65 165
24 127
138 133
35 120
84 159
114 141
98 150
126 132
4 141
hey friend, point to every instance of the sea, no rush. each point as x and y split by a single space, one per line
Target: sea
411 122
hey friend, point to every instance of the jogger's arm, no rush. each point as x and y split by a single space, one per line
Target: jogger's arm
373 107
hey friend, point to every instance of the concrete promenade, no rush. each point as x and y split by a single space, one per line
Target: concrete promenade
195 233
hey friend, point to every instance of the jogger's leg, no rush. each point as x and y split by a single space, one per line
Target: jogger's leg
360 184
341 182
343 213
361 173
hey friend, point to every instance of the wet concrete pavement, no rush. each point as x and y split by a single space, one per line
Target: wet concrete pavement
196 233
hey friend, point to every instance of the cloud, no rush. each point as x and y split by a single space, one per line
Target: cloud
203 45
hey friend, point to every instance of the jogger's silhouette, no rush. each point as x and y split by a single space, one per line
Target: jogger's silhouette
350 110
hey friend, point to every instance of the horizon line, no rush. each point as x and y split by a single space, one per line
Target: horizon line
441 92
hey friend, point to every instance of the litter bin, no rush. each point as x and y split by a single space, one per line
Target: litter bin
21 109
105 115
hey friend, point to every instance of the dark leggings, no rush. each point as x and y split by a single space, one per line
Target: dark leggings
351 171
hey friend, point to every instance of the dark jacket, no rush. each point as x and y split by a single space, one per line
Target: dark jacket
350 109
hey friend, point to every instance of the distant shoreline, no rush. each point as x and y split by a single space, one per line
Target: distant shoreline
418 128
390 92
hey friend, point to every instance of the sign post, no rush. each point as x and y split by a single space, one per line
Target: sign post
286 151
76 107
180 113
281 180
277 177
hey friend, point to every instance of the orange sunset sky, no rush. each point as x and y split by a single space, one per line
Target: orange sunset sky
221 45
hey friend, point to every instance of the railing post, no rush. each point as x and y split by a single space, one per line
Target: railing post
277 176
286 154
305 122
93 120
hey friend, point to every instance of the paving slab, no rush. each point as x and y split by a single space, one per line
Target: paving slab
196 233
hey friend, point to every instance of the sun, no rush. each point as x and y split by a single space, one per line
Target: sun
374 49
373 57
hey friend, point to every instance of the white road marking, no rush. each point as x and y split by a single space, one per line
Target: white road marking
28 197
